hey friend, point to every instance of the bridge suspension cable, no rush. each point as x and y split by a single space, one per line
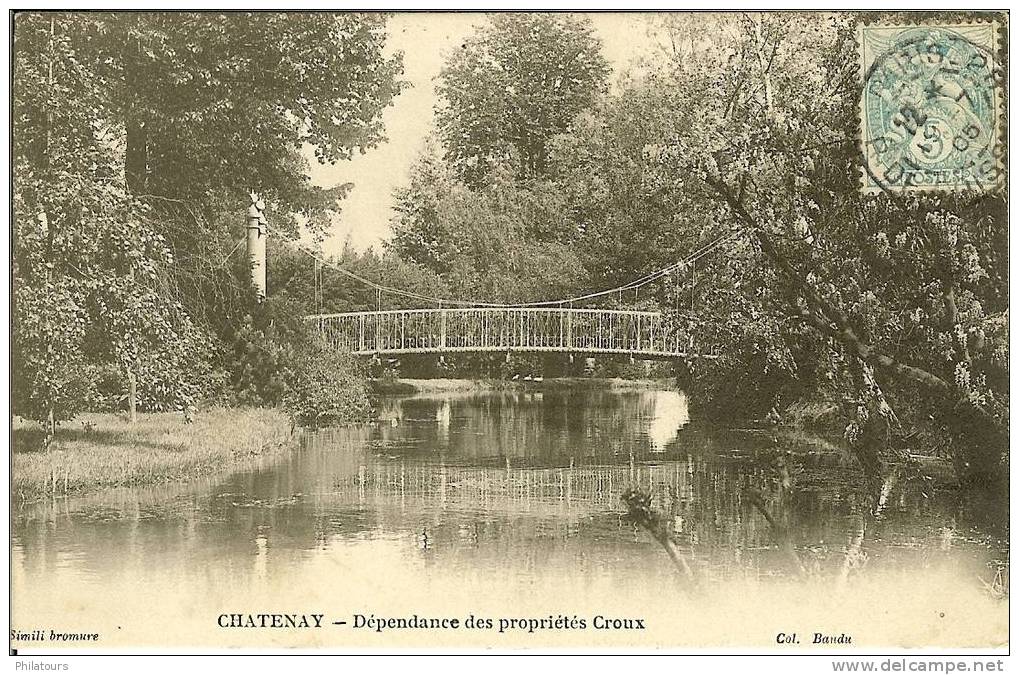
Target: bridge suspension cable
691 258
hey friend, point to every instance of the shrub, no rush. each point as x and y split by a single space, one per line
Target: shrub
279 360
326 386
51 377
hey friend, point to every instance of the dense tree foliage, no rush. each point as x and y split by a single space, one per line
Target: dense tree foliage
217 105
505 241
326 284
519 81
137 137
88 289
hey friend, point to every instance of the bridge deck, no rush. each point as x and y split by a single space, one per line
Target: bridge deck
504 329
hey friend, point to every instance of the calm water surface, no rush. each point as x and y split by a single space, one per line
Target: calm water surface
508 503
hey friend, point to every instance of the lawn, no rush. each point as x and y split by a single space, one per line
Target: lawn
98 451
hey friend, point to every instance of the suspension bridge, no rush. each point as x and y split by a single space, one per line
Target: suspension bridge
508 329
458 326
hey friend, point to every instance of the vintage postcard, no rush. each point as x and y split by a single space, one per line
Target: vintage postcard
443 331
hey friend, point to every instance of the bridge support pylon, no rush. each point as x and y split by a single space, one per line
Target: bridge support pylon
256 244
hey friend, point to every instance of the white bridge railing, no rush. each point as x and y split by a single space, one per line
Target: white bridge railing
544 329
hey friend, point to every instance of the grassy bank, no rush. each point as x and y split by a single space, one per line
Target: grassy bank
98 451
438 385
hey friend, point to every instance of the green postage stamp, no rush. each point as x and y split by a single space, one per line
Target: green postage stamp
930 107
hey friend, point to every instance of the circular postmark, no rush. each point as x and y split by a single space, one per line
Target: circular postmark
929 110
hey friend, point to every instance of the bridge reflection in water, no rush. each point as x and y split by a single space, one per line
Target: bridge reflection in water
578 489
555 464
494 329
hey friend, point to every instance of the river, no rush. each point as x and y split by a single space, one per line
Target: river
506 505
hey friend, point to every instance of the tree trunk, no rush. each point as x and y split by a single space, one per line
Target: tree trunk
132 396
49 103
136 158
639 511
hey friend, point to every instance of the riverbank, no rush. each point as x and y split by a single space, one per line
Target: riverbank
97 451
438 385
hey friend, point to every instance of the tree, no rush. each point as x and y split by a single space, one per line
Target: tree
514 85
418 230
621 190
311 277
904 291
87 260
504 241
134 136
215 105
88 293
226 101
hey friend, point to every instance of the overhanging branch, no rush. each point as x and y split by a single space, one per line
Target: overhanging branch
828 318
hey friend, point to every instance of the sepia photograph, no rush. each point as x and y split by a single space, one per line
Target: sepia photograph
515 332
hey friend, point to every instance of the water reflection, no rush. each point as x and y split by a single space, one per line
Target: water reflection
529 428
508 495
671 414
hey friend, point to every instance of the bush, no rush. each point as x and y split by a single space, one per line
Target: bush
51 375
754 374
279 360
326 386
